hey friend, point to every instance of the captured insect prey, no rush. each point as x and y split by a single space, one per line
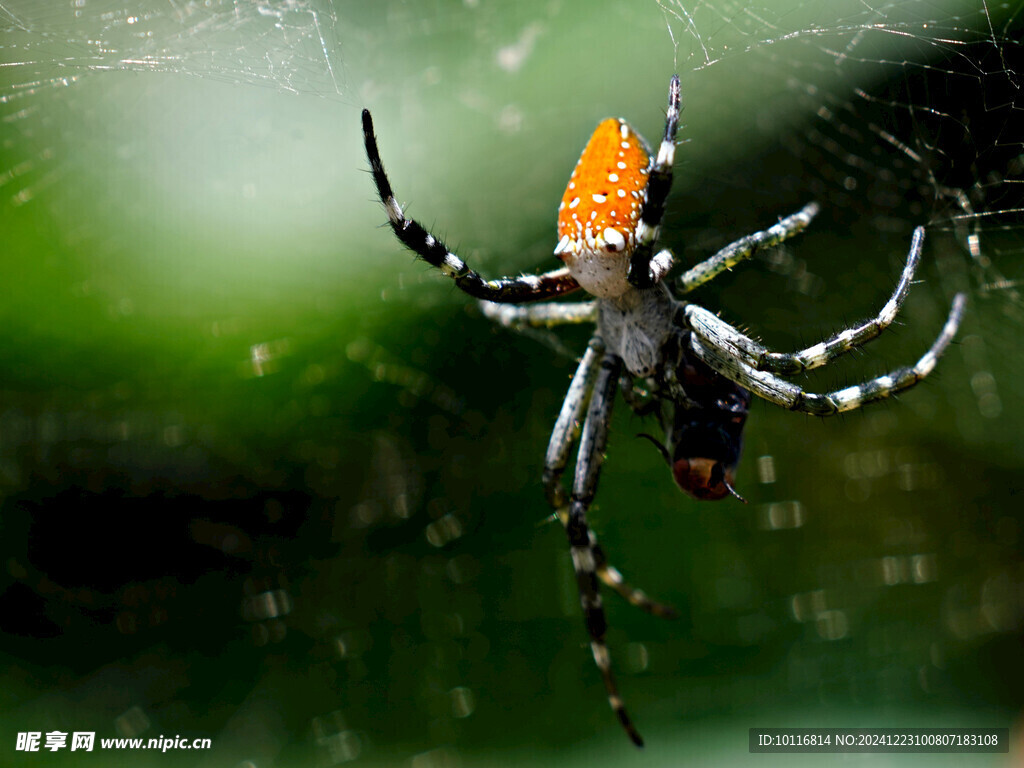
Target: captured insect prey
668 357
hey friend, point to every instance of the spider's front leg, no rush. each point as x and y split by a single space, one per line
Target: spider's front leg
646 269
416 238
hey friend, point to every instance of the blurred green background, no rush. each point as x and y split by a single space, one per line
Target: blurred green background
266 479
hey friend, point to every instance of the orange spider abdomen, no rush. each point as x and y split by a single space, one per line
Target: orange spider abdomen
601 207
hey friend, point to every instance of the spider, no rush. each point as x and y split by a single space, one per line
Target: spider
697 371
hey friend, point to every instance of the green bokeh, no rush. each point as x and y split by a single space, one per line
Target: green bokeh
224 386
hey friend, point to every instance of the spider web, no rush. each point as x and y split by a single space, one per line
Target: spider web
287 45
202 335
916 121
896 88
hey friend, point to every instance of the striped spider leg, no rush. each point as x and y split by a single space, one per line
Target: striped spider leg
592 392
646 268
589 402
417 239
745 361
589 557
566 431
544 315
746 248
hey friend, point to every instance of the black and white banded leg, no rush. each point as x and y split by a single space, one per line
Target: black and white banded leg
588 468
546 315
745 248
717 333
567 426
563 439
781 392
646 268
414 236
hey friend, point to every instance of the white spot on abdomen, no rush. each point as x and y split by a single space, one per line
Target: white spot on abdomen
613 239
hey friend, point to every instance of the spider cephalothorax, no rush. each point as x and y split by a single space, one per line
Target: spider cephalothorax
695 371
